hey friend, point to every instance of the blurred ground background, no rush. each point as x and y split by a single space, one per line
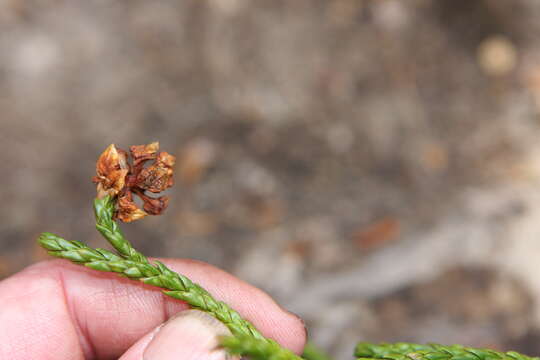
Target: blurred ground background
375 165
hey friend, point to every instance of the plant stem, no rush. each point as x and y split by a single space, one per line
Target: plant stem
407 351
175 285
246 339
256 349
312 352
104 213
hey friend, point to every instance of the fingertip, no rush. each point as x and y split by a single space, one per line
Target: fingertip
99 302
299 337
252 303
286 328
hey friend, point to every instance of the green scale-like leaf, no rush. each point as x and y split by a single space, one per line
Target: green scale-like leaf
132 264
407 351
246 339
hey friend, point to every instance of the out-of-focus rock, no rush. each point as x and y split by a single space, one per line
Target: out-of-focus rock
497 55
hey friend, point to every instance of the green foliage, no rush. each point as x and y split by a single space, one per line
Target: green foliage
104 211
246 339
130 263
407 351
256 349
312 352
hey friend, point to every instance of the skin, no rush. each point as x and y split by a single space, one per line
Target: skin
58 310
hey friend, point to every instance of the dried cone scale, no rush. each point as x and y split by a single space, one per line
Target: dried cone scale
144 169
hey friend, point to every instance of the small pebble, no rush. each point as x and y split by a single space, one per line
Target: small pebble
497 55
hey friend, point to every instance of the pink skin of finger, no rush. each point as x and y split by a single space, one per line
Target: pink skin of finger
58 310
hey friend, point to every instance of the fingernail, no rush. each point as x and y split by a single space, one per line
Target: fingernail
190 335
